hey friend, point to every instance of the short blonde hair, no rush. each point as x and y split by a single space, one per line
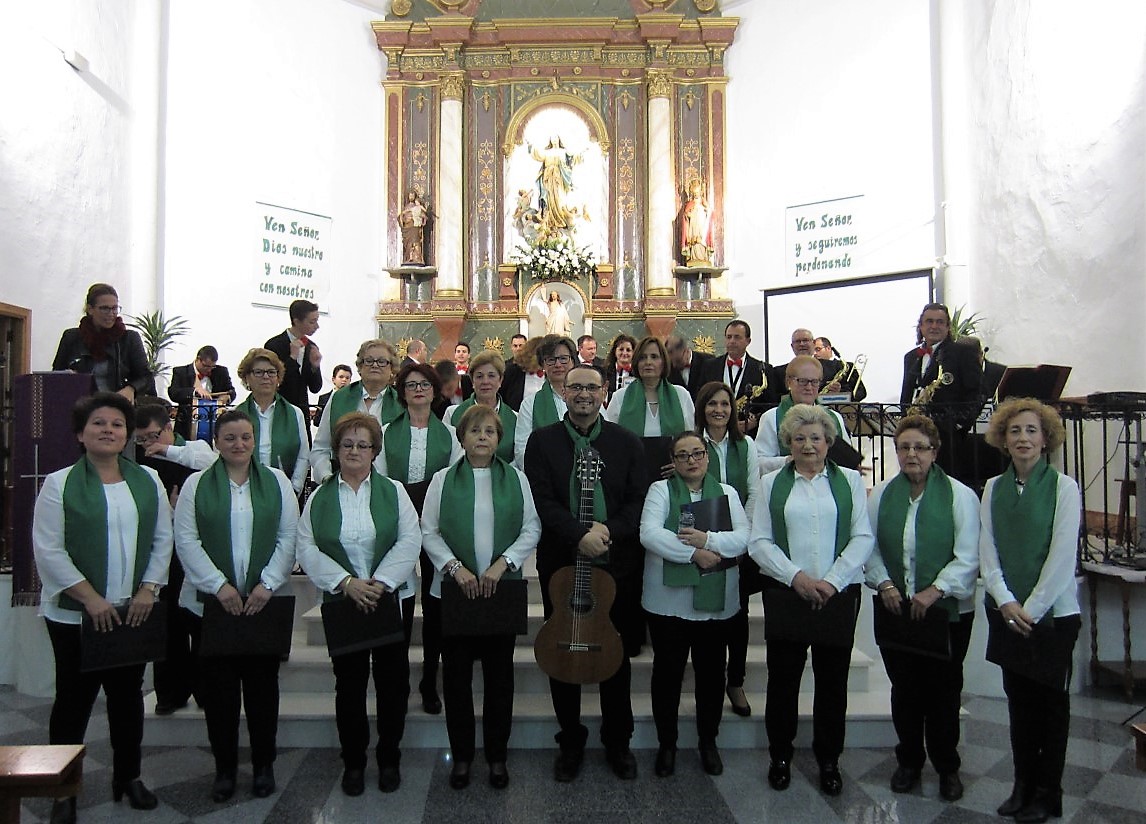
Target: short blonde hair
1053 430
804 414
377 343
488 358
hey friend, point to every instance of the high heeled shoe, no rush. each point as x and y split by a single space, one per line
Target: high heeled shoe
137 794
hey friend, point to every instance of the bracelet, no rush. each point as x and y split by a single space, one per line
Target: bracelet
886 588
452 567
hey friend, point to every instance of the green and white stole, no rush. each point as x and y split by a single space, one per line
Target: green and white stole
632 415
285 443
600 511
213 519
456 518
508 425
544 406
85 523
326 522
841 494
439 447
347 399
1023 526
934 532
708 590
736 473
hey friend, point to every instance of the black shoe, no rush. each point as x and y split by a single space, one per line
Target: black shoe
498 775
63 811
666 762
710 759
950 787
138 795
739 701
623 763
568 764
1020 797
354 781
1042 806
168 707
389 779
904 779
460 775
431 703
779 775
831 782
223 788
264 783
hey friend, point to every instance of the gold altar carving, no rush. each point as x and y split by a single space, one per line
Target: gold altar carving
660 83
453 86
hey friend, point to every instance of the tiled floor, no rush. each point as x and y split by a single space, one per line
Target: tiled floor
1101 784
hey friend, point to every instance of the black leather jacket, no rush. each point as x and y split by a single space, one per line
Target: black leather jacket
126 358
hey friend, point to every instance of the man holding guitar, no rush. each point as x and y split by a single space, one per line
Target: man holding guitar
610 538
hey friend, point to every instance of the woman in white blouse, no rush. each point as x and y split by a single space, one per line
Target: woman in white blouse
689 598
102 538
281 436
802 378
358 538
810 532
234 531
479 525
651 406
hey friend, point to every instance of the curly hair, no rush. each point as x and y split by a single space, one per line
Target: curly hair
803 414
1053 430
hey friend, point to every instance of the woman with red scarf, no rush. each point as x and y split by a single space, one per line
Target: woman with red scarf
104 348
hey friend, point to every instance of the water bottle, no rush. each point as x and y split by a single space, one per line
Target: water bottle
687 520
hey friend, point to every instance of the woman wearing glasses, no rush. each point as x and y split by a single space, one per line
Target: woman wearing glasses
280 433
803 377
547 405
415 445
652 406
690 597
104 348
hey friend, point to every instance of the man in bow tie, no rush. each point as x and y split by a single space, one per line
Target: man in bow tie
747 376
201 379
301 357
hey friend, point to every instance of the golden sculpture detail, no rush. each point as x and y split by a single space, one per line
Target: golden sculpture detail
494 345
705 344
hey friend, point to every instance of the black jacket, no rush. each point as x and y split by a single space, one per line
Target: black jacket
696 374
298 381
128 361
182 390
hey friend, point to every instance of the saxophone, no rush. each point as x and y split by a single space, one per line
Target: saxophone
927 393
754 393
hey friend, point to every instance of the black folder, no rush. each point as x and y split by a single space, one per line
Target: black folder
788 617
658 453
930 637
504 613
1044 656
124 645
714 515
349 629
267 632
844 454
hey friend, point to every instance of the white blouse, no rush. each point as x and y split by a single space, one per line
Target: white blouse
768 439
652 413
266 422
419 438
525 425
750 470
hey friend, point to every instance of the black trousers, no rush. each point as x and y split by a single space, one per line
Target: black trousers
176 679
673 639
1040 721
76 694
925 700
390 666
431 626
496 655
229 684
615 692
830 665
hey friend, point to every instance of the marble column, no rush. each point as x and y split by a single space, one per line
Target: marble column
662 197
448 223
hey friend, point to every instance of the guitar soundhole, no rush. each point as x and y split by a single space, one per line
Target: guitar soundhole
581 603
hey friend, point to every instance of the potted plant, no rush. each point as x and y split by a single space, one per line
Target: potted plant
158 332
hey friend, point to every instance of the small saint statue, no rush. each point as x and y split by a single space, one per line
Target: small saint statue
414 221
557 320
696 227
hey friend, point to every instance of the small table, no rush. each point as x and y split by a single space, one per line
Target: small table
1129 670
43 770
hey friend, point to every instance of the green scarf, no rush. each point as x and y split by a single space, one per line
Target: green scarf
285 443
1023 526
841 492
781 411
632 415
737 463
348 398
508 426
934 532
213 519
708 590
179 440
600 512
456 514
85 523
544 406
439 447
326 522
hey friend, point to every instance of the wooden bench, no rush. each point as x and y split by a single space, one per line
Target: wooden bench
1139 731
45 771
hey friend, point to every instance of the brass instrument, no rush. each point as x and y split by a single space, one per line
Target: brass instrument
925 395
855 367
753 394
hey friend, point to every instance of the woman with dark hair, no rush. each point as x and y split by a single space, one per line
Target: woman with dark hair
281 437
235 528
415 445
358 538
651 406
102 537
732 461
1028 544
105 348
688 598
619 364
479 526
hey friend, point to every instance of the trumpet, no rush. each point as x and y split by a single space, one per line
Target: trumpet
851 368
927 393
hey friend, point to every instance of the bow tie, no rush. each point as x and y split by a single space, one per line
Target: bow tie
923 350
540 373
463 370
201 376
737 362
622 370
305 340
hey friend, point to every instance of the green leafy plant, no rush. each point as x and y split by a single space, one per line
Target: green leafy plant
159 333
963 324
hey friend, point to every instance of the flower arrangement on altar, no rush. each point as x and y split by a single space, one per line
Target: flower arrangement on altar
554 258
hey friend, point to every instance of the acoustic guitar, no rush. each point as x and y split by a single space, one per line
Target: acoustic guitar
578 644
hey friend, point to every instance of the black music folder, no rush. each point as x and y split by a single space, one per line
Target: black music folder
844 454
930 636
788 617
658 453
124 645
349 629
1044 656
267 632
714 515
505 613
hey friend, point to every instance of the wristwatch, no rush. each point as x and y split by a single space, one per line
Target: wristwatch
155 588
509 565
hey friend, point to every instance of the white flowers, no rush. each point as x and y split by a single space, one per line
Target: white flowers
555 258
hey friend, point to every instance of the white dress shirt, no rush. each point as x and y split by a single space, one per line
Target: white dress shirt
750 470
266 423
525 426
768 439
419 439
193 454
652 413
321 467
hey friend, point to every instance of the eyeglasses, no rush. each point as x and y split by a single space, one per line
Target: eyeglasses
591 388
414 386
265 373
350 446
819 348
147 437
697 455
805 382
108 310
375 362
801 340
907 448
550 361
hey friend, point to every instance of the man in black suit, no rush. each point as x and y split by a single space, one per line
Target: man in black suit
612 541
415 353
587 353
687 366
747 376
513 383
300 356
340 376
802 344
203 378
